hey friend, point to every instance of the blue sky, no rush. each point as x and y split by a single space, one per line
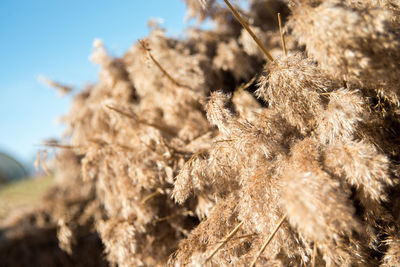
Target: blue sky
54 38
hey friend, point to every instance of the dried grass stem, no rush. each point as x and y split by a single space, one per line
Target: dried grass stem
246 26
268 241
225 240
282 35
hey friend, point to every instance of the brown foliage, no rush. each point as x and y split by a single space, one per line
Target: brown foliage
171 153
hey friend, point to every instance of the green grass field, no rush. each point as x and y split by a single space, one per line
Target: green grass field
22 193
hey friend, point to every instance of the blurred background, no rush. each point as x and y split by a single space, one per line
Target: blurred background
54 39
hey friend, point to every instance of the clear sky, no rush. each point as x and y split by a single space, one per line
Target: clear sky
54 38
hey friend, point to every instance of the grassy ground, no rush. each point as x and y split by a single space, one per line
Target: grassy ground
22 193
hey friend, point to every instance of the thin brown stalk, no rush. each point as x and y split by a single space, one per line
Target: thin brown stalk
164 71
223 141
102 143
37 160
314 255
44 165
239 237
40 161
152 195
226 239
140 121
249 83
246 26
167 217
195 155
172 216
282 35
268 240
61 146
131 116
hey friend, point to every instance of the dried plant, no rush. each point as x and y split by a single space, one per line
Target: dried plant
208 151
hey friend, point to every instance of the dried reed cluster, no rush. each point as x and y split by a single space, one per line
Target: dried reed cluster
210 151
